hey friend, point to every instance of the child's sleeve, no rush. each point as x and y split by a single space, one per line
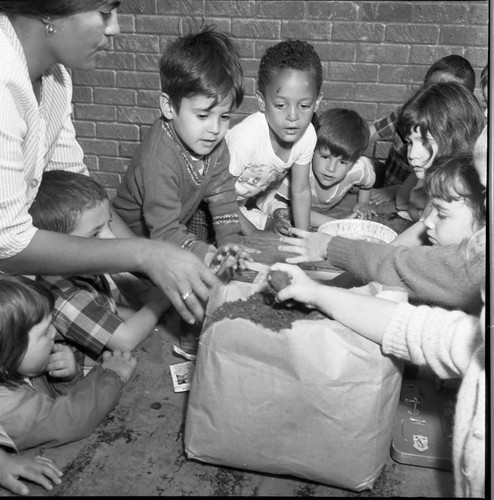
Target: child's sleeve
442 339
222 200
35 418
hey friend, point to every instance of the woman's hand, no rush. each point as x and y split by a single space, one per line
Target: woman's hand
312 246
62 363
182 276
302 288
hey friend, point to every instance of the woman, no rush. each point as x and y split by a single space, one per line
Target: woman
39 39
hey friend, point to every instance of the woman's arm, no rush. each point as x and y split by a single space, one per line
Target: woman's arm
174 270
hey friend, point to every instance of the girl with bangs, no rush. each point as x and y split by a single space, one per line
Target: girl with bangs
441 120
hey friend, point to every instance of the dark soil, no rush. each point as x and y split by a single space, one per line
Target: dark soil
256 309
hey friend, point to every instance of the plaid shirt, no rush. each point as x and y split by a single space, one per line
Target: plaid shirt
85 314
385 127
395 173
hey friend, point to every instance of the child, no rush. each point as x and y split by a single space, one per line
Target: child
13 467
431 274
85 313
440 120
44 399
184 159
449 68
280 137
457 201
337 166
451 343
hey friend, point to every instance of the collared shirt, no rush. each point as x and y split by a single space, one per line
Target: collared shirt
33 138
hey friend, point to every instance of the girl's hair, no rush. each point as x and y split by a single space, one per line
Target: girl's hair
454 178
62 197
50 8
343 131
480 155
203 63
24 303
290 54
449 112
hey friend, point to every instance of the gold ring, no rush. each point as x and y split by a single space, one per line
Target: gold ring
186 295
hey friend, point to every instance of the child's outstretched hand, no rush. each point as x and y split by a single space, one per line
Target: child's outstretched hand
301 288
122 363
37 470
363 212
62 363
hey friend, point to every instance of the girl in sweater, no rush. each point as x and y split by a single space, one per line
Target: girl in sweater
44 399
450 342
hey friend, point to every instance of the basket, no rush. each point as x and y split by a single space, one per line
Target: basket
358 229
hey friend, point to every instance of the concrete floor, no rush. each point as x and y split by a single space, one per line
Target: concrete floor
138 449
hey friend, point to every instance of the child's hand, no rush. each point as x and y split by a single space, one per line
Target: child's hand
62 363
122 363
37 470
311 246
363 212
302 288
281 227
230 256
282 213
381 195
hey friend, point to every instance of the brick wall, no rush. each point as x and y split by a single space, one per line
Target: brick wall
374 55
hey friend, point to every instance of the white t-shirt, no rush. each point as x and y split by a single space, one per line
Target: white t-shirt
256 165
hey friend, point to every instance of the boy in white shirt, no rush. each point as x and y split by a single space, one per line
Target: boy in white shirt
279 138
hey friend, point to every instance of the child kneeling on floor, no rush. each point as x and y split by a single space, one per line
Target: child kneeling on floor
337 167
86 313
44 398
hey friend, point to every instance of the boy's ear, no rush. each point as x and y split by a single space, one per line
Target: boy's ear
166 106
260 101
319 99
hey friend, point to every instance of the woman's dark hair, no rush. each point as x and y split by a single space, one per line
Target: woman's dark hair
24 303
446 110
50 8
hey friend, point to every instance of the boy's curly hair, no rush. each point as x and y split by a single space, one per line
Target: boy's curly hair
289 54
